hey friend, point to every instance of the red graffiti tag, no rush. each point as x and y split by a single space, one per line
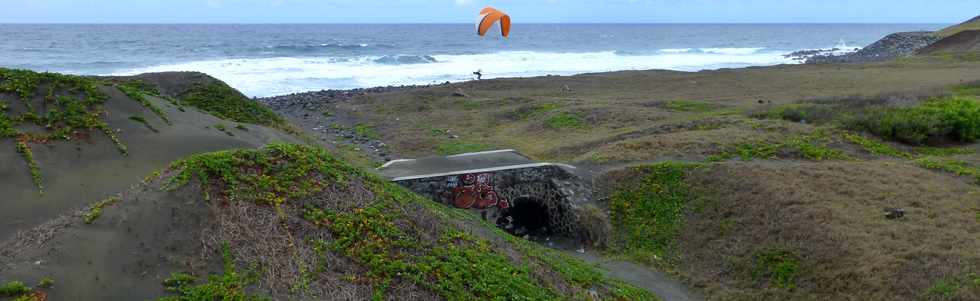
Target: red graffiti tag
476 191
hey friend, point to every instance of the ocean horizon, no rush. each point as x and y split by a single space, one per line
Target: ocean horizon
275 59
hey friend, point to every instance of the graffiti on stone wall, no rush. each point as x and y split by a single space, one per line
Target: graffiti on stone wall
475 191
497 196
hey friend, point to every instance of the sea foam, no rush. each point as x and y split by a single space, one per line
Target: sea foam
283 75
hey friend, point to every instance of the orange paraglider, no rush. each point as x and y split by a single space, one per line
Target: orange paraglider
490 15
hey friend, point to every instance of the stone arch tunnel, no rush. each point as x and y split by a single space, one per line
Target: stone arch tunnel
503 186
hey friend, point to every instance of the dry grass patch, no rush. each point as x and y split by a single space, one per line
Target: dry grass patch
781 230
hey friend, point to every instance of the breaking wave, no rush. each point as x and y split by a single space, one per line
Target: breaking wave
405 59
283 75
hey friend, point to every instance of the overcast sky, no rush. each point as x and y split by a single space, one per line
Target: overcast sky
454 11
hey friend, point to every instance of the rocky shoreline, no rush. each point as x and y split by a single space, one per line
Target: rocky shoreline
893 46
316 113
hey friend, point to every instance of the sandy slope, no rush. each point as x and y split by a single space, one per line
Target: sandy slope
78 173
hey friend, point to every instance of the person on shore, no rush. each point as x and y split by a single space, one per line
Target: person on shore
479 74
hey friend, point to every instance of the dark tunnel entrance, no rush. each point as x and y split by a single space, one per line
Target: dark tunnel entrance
527 216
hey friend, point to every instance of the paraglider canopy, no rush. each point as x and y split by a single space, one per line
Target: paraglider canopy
490 15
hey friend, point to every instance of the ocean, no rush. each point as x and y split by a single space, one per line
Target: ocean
265 60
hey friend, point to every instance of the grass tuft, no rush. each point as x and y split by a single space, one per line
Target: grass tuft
13 289
96 210
536 110
24 148
298 172
968 89
647 216
943 288
225 102
810 147
46 282
944 151
230 286
366 131
223 129
74 106
689 106
748 151
875 147
455 147
142 120
463 268
564 120
136 92
957 167
778 267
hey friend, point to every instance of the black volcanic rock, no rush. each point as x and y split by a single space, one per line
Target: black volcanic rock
892 46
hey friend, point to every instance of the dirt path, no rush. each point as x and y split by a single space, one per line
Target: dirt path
656 282
660 284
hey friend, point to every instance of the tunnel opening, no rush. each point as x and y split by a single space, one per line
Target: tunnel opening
528 216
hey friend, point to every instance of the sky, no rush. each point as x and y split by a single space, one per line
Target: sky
463 11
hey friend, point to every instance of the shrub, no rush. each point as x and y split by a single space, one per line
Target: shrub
13 289
564 120
366 131
944 118
798 113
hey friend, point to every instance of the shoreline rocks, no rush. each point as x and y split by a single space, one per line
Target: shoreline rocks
890 47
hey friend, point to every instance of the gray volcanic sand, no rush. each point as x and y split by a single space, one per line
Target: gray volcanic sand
77 173
127 252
